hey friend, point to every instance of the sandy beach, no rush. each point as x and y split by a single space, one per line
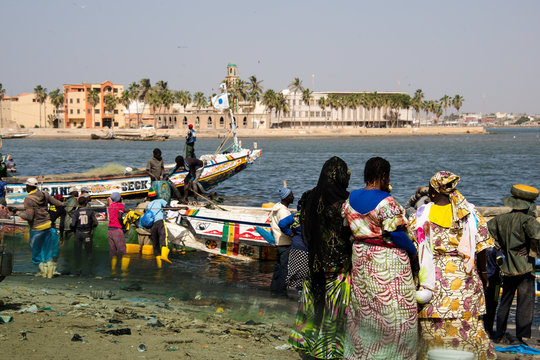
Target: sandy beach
48 315
49 133
169 328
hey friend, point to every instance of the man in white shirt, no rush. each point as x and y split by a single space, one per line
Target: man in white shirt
283 242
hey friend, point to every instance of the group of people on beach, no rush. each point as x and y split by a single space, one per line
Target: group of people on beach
374 283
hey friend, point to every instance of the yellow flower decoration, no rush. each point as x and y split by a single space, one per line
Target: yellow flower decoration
454 306
438 340
451 267
456 284
450 329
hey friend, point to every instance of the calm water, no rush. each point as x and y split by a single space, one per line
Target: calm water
488 166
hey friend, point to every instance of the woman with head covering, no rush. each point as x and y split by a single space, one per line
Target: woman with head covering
451 237
381 320
320 322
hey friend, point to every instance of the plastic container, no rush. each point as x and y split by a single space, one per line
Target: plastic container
449 354
133 248
148 250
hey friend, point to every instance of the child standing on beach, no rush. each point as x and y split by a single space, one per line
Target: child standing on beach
83 222
115 234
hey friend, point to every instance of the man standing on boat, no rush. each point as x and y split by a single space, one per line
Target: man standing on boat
517 233
37 215
191 181
190 142
155 167
280 211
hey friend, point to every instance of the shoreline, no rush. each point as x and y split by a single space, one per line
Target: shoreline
84 134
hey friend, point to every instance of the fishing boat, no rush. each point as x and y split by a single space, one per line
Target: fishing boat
134 183
18 135
130 136
231 231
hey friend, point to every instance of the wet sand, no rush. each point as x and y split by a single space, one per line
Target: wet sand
187 329
196 328
45 133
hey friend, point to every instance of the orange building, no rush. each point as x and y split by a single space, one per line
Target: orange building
79 112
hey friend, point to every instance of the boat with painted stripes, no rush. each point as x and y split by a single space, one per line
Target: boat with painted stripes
133 183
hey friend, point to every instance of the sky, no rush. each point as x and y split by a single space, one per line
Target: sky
486 51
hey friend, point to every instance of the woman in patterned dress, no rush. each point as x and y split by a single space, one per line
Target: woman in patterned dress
320 321
454 236
382 316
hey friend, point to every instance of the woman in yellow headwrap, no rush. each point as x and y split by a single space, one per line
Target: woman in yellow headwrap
451 237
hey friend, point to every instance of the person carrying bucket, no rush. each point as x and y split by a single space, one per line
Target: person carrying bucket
158 230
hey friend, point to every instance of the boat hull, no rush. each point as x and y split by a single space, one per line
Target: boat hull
132 184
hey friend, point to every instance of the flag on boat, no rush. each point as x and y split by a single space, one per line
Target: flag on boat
220 102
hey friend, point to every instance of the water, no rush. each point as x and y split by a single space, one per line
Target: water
488 166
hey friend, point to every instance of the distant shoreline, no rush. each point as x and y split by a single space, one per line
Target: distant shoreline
84 134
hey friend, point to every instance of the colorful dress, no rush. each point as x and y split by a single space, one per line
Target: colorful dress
321 318
382 316
451 319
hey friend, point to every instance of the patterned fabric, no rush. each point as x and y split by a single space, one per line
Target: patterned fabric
381 321
382 316
386 217
457 334
324 340
297 269
451 318
444 182
117 242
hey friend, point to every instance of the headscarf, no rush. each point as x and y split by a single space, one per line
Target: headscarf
444 182
323 231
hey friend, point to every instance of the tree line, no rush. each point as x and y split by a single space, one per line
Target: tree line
247 93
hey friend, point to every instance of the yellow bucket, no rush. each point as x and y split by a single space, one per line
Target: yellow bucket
268 205
133 248
148 250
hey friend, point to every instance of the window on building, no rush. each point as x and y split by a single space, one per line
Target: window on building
96 124
184 121
78 111
78 101
96 111
71 101
197 121
71 111
116 111
175 120
244 121
221 121
115 90
209 124
89 111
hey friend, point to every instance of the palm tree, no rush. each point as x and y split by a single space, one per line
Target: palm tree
200 100
295 86
183 97
41 97
416 103
2 94
457 102
254 86
125 100
144 89
110 102
154 100
57 99
445 102
167 99
281 105
133 92
93 99
322 104
269 100
307 97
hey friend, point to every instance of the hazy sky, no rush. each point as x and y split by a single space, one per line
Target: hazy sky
486 51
